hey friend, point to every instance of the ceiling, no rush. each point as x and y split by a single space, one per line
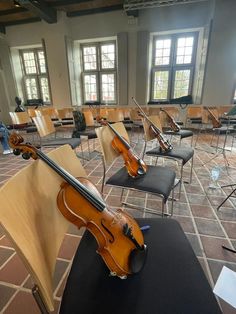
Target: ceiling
28 11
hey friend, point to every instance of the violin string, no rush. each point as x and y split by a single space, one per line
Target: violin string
73 181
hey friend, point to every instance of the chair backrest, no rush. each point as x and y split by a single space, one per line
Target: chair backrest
89 120
194 112
155 119
44 125
32 112
173 112
105 136
30 216
65 113
20 118
115 115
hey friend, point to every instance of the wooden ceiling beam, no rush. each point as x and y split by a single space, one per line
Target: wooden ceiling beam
23 21
60 3
94 11
12 11
41 9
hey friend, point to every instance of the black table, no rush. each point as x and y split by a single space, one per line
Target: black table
172 280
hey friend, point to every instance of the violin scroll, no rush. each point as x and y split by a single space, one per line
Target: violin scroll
16 142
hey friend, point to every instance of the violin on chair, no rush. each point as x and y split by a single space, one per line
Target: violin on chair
134 164
119 238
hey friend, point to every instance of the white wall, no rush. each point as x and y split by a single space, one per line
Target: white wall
176 17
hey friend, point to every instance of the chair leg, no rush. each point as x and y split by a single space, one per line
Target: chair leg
39 300
104 175
121 196
181 179
144 149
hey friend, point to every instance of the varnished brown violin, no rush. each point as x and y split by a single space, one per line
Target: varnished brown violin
173 125
165 145
119 238
215 121
134 164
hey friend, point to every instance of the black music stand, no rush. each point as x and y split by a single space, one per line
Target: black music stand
226 131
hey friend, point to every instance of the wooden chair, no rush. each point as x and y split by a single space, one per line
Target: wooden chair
182 133
178 153
33 222
22 121
194 116
89 133
159 181
46 130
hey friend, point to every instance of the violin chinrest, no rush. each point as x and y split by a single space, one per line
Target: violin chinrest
137 259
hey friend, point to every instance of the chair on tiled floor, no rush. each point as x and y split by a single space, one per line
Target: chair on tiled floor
33 222
159 181
47 134
178 153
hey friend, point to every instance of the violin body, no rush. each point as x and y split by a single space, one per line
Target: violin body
163 142
134 165
107 226
173 125
120 240
215 121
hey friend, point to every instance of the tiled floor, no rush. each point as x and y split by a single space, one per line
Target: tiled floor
206 228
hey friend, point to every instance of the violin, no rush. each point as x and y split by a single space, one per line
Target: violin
119 238
165 145
173 125
215 121
134 164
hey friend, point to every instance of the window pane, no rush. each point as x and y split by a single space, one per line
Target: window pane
108 87
181 83
31 88
108 56
45 89
29 63
90 58
42 64
162 52
184 50
90 87
160 90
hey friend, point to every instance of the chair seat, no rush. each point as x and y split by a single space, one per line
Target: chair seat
223 130
181 133
73 142
183 153
157 180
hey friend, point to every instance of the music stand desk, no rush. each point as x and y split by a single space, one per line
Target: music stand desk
172 281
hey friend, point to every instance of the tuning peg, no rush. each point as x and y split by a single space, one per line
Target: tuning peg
26 155
16 151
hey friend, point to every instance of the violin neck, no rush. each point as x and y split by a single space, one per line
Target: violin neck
98 204
146 116
118 135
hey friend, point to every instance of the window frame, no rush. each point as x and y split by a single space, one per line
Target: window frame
38 75
99 70
173 66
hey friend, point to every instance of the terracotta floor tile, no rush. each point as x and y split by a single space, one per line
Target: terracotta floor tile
14 271
213 249
5 254
22 303
209 227
5 294
203 211
230 228
68 247
186 223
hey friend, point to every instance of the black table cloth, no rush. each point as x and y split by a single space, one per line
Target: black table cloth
171 282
